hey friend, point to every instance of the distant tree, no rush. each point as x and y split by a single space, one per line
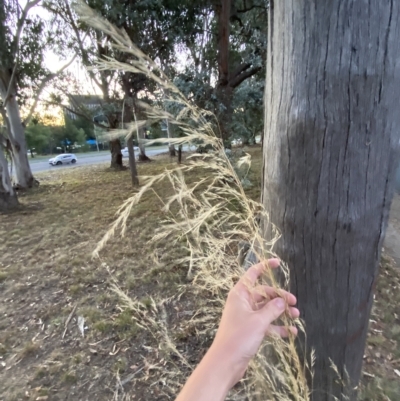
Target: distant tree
85 125
227 46
331 147
24 40
38 137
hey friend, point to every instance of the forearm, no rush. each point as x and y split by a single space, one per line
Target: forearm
212 379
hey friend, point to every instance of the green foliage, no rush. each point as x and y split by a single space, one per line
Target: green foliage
248 111
46 139
39 137
27 54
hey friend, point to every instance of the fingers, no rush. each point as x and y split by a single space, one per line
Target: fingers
252 274
265 292
275 308
282 331
294 313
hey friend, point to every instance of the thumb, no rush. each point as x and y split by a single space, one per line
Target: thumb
273 310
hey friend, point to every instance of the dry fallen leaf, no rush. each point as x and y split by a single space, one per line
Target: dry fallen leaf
397 372
81 325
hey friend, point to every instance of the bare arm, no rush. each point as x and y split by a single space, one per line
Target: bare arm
248 315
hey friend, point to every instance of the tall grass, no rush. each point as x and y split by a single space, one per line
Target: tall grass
210 218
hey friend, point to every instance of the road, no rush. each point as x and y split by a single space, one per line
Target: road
93 158
88 159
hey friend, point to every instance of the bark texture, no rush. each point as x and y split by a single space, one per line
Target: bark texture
331 145
132 162
23 173
116 155
8 197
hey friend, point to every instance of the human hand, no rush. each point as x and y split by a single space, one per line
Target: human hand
248 315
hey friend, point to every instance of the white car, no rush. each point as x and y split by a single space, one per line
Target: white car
64 158
125 152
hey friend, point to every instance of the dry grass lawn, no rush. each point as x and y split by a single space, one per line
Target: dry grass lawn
47 272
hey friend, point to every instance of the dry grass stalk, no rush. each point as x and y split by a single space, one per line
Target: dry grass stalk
211 217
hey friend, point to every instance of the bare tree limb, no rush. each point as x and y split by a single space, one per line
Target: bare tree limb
21 22
240 78
15 54
74 111
245 10
242 67
42 85
85 58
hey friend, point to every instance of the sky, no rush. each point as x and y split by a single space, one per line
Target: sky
54 63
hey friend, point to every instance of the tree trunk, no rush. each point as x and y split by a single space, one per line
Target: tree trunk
330 149
140 134
23 173
224 91
8 197
171 147
132 162
116 155
142 149
180 154
224 96
172 150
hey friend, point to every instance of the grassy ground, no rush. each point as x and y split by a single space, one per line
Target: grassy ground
49 282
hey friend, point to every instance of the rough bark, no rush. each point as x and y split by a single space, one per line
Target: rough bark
8 197
116 155
223 14
330 149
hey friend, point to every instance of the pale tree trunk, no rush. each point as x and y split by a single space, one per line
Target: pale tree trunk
140 136
127 112
171 146
330 149
23 173
8 197
142 149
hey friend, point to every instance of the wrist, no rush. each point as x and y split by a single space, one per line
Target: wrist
223 362
213 378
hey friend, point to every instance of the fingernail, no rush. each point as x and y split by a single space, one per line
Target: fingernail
280 303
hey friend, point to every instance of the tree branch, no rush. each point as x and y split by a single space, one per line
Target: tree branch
42 85
240 78
242 67
85 58
21 22
245 10
74 111
15 53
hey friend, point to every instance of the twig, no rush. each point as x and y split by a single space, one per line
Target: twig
68 320
130 377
